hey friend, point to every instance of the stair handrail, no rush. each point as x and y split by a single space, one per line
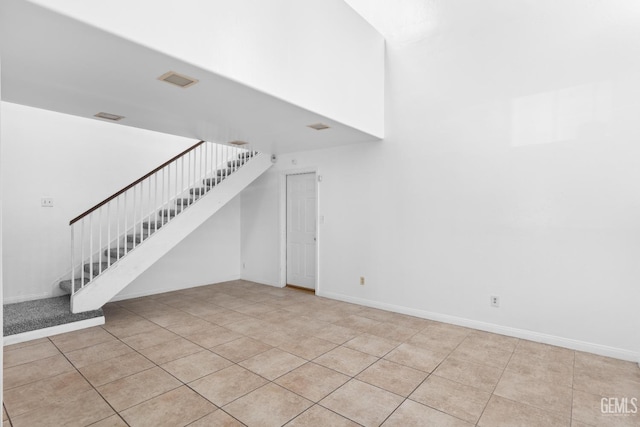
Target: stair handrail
134 183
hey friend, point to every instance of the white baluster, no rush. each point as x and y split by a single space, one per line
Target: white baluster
118 227
207 172
141 207
153 201
182 177
169 195
189 161
108 234
192 179
73 283
149 202
81 253
126 229
176 188
100 240
133 211
91 246
213 149
200 178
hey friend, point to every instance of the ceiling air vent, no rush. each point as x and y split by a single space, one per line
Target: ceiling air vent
109 116
318 126
178 79
238 143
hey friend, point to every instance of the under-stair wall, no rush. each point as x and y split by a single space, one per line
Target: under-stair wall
36 239
218 239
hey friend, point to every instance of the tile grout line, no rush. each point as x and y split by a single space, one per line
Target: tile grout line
90 384
573 391
429 374
498 382
169 373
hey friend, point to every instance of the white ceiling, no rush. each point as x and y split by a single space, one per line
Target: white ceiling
53 62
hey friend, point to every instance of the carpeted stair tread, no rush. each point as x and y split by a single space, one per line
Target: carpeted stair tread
153 225
96 267
184 201
168 212
44 313
138 237
224 172
210 182
65 285
235 163
113 252
246 155
198 191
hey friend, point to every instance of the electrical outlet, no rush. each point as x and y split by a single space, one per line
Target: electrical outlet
362 280
244 266
495 301
46 202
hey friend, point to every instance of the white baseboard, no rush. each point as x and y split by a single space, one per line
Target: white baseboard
617 353
261 282
53 330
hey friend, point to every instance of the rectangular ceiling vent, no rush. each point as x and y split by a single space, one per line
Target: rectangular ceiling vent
318 126
178 79
108 116
238 143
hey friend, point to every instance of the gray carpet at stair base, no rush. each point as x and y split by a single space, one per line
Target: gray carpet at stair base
43 313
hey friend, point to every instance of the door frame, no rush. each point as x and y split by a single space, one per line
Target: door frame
283 223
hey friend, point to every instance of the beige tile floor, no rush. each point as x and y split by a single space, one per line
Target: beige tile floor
239 353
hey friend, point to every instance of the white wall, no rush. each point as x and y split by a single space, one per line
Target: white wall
209 255
511 167
260 229
1 263
78 162
316 54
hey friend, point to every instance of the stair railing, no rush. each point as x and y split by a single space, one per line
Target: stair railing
121 222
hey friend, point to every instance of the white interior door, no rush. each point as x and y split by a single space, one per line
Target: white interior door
301 230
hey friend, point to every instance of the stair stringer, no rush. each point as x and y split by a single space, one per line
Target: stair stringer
126 270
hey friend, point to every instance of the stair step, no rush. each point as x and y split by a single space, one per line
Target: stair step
235 163
184 202
153 225
199 191
210 182
96 267
65 285
225 172
137 238
42 313
113 252
247 155
168 212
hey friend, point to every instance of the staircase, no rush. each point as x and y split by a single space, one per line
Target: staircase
118 239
